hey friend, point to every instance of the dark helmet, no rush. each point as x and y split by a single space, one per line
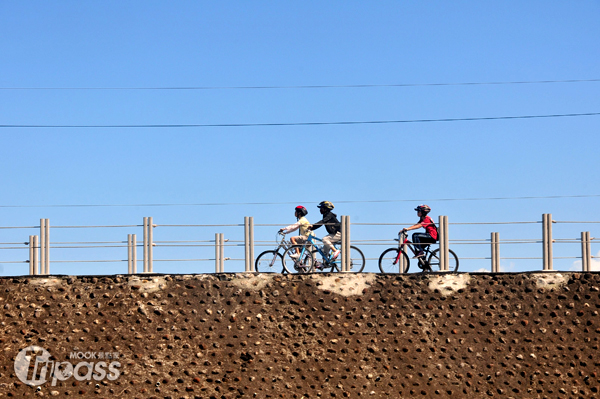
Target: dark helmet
326 205
423 208
303 211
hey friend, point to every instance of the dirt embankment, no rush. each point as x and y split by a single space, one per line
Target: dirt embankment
272 336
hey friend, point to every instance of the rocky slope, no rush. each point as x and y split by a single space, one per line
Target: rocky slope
274 336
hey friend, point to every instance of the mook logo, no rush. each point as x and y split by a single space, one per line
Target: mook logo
34 367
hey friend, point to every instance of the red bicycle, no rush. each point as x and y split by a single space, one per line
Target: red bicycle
395 260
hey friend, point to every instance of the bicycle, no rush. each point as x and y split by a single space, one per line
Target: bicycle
265 262
392 260
302 258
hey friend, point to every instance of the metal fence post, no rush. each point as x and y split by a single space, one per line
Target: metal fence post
145 246
222 241
246 242
586 252
495 252
345 254
443 239
346 259
219 253
249 243
547 240
31 251
446 244
47 247
42 243
131 254
148 245
402 261
33 256
251 236
129 269
347 246
44 246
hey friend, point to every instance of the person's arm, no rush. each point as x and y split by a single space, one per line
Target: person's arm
413 227
317 225
290 228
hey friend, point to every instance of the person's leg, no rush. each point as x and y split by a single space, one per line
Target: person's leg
421 238
329 240
417 239
298 240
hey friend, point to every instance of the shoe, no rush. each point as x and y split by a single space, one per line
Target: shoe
419 255
335 254
294 256
318 266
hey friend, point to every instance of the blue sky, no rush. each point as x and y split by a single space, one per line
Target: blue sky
49 47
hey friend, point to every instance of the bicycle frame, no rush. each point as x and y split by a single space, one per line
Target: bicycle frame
283 244
326 258
404 242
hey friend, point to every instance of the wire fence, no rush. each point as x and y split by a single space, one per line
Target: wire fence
194 248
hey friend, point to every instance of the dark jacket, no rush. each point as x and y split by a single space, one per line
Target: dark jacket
330 221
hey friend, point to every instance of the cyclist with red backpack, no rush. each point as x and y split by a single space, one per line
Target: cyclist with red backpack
431 233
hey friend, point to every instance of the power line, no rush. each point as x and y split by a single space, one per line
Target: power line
273 124
356 86
297 202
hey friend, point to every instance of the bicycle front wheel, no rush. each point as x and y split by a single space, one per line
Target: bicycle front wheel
389 261
269 262
434 261
298 259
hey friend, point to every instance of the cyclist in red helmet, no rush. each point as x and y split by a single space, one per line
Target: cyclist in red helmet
431 234
302 223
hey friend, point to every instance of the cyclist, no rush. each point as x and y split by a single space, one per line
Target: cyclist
302 223
332 225
431 234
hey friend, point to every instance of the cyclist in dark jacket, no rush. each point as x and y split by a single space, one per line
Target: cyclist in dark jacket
332 225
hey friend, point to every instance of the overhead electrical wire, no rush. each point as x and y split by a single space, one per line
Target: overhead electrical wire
273 124
355 86
295 202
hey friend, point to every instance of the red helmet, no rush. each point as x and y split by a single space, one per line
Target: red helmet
303 211
423 208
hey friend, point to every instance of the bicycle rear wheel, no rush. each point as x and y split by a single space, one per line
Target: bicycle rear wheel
389 262
434 261
294 263
268 262
357 260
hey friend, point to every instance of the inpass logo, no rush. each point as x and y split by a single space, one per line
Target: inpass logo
33 366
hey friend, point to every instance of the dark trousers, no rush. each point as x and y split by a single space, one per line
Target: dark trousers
422 238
